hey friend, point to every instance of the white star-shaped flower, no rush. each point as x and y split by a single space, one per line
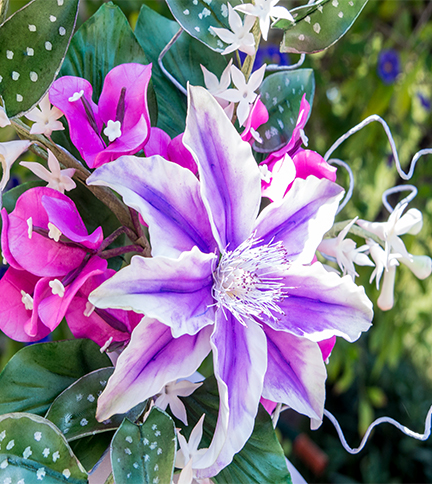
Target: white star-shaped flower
113 130
245 93
45 119
265 10
239 37
217 87
9 152
60 180
4 120
170 396
345 251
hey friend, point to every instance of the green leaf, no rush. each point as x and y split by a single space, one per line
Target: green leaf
74 410
89 450
198 16
282 93
37 374
183 60
260 461
318 26
144 453
33 43
105 41
33 450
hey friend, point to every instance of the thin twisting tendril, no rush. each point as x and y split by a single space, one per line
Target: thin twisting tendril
162 67
278 68
336 161
379 421
397 189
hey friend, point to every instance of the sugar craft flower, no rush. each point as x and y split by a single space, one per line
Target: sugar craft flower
45 118
265 10
122 108
228 281
4 120
10 151
218 87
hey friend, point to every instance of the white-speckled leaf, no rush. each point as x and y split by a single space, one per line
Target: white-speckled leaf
282 93
74 410
34 450
318 26
144 453
197 16
33 44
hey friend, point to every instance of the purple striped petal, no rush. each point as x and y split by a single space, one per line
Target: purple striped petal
301 218
167 196
229 175
295 374
177 292
152 359
320 304
240 363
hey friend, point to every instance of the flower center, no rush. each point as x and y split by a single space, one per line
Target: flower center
248 281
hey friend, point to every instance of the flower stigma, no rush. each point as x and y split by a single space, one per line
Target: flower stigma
248 281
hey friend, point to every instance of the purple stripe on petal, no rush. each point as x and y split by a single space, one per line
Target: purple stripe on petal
229 175
240 363
175 291
320 304
152 359
301 218
167 196
296 373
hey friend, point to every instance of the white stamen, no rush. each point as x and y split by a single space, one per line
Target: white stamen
113 130
248 280
30 227
106 345
76 96
27 300
57 287
89 309
304 138
266 174
54 233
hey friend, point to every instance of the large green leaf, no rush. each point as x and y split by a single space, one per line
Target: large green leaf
144 453
183 60
282 93
89 450
105 41
260 461
37 374
198 16
33 43
34 450
74 410
318 26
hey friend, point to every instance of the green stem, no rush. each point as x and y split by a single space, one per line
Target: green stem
250 59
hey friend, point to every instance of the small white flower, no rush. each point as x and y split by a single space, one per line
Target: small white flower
45 119
4 120
57 288
265 10
245 93
239 37
218 87
9 152
113 130
60 180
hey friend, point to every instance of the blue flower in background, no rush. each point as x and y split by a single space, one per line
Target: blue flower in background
268 54
389 66
425 102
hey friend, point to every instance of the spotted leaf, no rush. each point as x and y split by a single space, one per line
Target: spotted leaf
318 26
144 453
282 93
33 44
197 16
73 411
33 450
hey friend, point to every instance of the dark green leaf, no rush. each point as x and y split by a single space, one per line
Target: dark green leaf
74 410
183 60
34 450
318 26
37 374
105 41
89 450
144 453
33 43
260 461
198 16
282 93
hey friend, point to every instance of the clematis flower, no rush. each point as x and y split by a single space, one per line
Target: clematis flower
228 281
122 108
239 37
265 10
4 120
291 161
45 118
60 180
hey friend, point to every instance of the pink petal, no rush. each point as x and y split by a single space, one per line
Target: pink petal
180 155
157 144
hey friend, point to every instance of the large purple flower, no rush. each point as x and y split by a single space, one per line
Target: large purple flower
224 279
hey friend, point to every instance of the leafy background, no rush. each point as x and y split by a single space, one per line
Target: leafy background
388 371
